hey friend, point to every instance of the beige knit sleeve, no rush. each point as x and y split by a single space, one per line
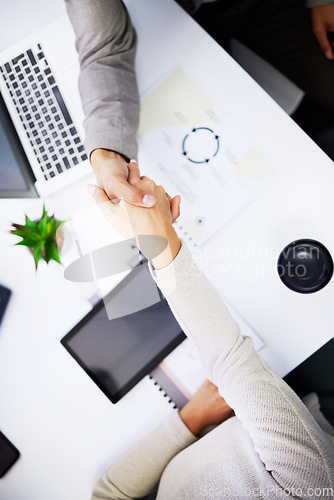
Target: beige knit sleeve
289 442
138 471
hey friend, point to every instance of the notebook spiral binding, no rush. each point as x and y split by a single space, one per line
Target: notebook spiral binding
164 394
184 234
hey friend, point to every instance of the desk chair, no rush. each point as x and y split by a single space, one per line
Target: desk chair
278 86
315 119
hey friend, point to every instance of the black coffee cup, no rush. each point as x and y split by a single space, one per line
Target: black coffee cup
305 266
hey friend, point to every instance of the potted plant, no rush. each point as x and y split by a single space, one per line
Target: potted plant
44 237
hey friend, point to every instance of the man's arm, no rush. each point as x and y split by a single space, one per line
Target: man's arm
106 44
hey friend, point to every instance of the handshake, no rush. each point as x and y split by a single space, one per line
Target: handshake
126 210
136 207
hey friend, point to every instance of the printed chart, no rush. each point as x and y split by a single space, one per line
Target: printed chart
191 146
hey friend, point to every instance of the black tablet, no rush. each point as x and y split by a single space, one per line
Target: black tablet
117 353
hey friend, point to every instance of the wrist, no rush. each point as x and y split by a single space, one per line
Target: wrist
168 255
99 155
191 419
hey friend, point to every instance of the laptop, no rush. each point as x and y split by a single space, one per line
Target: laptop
39 91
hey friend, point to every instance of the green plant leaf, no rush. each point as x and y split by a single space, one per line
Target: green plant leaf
28 235
27 243
51 251
31 224
59 223
39 236
17 227
42 225
51 227
22 234
37 253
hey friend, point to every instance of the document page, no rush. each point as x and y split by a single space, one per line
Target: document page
190 145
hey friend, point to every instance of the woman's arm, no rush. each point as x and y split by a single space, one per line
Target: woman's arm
138 471
290 444
288 441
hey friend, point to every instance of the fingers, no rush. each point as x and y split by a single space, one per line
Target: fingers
322 18
127 188
131 194
134 177
320 32
101 199
98 194
134 174
175 207
144 178
114 175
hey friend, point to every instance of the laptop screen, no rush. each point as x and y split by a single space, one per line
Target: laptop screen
15 180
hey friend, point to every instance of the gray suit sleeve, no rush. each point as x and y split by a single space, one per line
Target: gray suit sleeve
106 44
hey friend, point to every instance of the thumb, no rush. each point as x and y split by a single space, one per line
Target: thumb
131 194
136 196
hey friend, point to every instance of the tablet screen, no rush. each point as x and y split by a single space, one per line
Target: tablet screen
118 353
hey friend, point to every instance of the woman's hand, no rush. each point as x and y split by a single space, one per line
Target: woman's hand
205 408
131 221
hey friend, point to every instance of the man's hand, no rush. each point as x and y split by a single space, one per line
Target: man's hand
112 174
323 21
205 408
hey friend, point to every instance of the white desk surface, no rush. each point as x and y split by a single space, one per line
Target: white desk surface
66 429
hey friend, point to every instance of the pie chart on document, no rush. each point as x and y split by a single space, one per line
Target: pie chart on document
200 145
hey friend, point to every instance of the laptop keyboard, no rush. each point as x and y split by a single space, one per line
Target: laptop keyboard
43 113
